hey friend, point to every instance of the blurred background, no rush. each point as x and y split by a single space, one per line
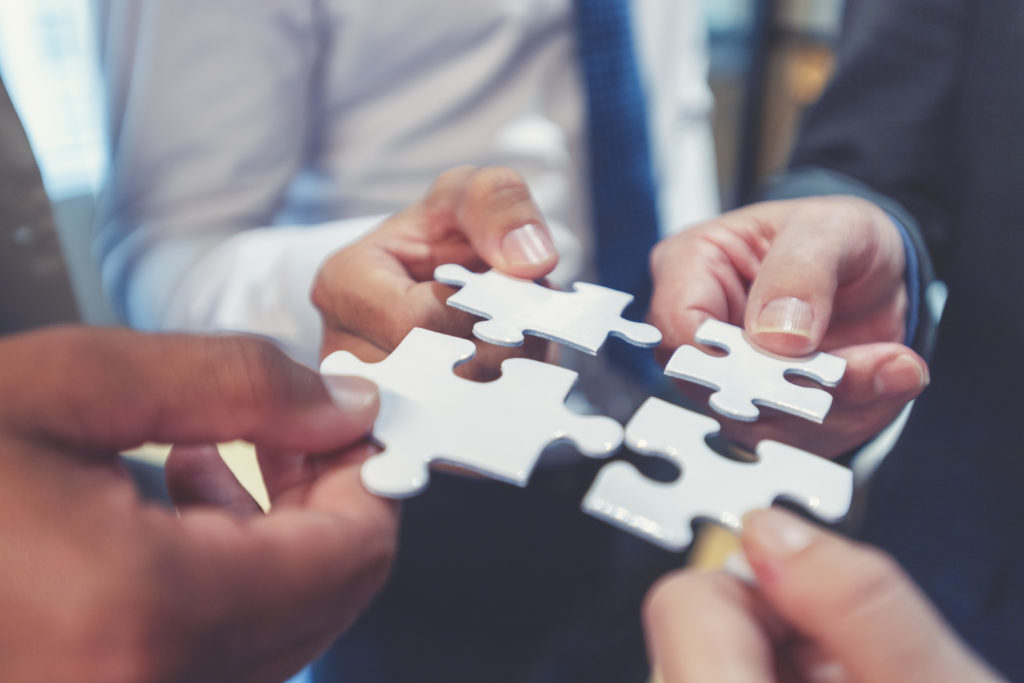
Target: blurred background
769 60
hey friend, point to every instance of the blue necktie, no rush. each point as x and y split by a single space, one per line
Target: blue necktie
623 210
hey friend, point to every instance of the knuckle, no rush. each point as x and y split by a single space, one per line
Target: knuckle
661 251
497 185
877 582
707 247
324 290
402 321
320 297
249 373
449 180
454 174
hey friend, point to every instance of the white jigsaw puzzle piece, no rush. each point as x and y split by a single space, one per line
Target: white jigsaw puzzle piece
497 429
749 376
582 318
709 486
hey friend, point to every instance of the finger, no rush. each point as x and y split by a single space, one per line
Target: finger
386 305
291 477
854 602
339 340
382 327
492 206
325 548
287 469
707 626
791 298
880 380
197 475
109 390
886 372
703 273
818 248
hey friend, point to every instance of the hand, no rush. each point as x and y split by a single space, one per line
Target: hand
818 273
98 586
824 609
373 292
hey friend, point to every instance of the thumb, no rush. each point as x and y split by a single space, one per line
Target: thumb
854 602
492 206
125 388
790 301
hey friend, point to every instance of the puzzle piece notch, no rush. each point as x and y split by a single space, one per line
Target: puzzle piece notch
497 429
749 376
709 486
582 318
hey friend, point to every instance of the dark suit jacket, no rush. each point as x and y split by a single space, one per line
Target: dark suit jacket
926 115
34 285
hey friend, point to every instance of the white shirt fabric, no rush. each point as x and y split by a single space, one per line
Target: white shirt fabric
250 139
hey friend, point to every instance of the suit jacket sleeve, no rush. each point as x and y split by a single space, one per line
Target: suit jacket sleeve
880 128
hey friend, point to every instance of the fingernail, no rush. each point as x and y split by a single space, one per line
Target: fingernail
777 534
901 375
527 245
788 314
352 394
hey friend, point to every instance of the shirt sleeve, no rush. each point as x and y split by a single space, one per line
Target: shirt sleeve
209 119
256 281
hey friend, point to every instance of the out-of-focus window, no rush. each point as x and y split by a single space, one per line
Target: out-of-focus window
48 62
770 59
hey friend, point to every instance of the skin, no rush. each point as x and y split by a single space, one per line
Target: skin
98 585
372 293
843 258
824 610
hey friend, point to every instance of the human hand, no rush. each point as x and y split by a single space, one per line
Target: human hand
98 586
372 293
821 273
824 609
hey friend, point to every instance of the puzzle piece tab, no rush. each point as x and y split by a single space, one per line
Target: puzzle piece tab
497 429
709 486
749 375
582 319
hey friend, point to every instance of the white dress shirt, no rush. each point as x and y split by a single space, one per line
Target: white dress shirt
252 138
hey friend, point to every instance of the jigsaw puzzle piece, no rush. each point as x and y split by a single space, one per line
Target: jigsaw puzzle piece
482 293
592 436
582 318
749 376
709 486
444 351
497 429
609 303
